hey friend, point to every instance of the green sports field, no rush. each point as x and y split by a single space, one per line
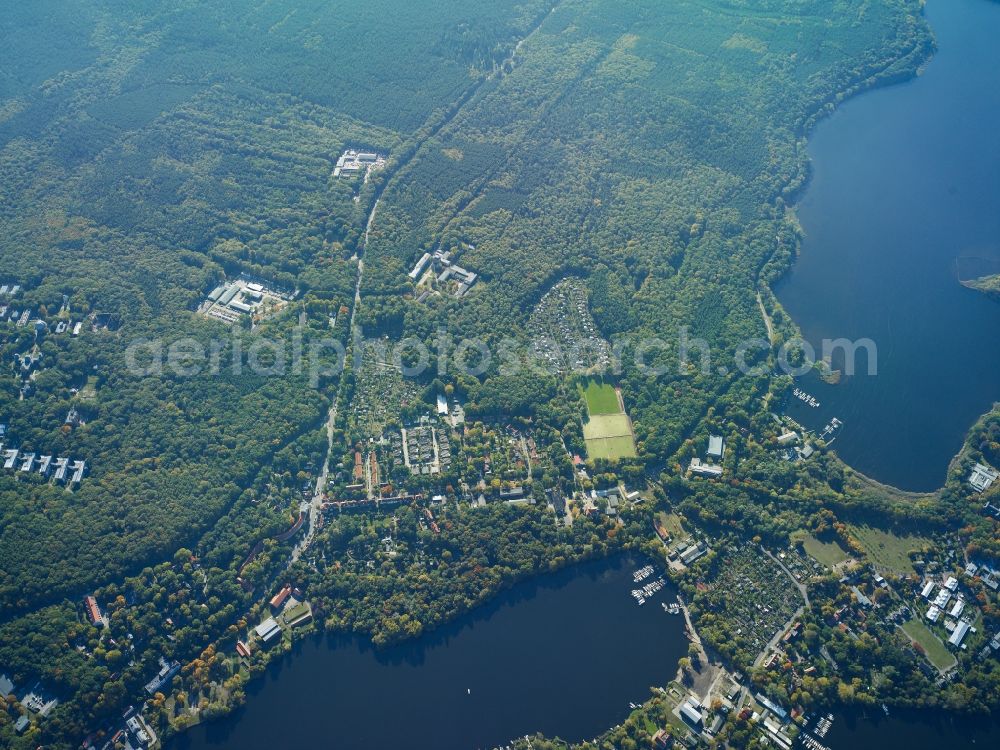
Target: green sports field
611 448
608 432
601 398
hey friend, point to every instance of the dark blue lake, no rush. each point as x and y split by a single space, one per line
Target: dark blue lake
905 194
563 655
913 730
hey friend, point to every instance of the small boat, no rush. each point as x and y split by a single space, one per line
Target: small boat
468 691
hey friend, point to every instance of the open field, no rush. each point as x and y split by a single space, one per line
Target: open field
601 398
609 436
672 523
607 425
937 652
830 554
612 448
887 550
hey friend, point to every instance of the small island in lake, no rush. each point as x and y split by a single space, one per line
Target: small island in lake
989 285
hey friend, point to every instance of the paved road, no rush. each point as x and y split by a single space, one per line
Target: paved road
315 506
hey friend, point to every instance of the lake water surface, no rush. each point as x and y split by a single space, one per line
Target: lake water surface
906 182
912 730
564 655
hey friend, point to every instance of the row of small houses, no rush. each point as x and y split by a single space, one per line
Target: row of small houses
21 318
61 469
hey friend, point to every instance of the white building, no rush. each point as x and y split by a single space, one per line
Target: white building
690 712
268 630
705 470
716 447
960 631
982 477
419 268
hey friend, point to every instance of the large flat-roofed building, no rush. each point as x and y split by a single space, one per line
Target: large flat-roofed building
959 633
692 553
705 470
928 589
771 706
61 465
716 447
233 299
229 295
982 477
355 161
164 676
268 630
691 713
420 266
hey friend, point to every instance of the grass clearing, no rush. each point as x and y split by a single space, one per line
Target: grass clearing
89 390
829 554
612 448
607 426
672 523
888 550
937 653
609 436
601 398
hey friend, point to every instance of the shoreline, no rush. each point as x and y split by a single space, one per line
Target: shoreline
826 109
524 590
